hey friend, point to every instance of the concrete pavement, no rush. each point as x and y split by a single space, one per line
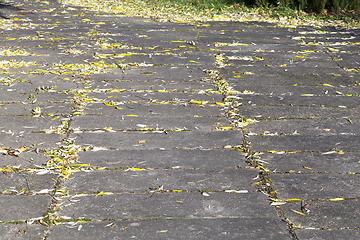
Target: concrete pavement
115 127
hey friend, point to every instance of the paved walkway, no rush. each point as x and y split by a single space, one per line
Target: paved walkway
125 128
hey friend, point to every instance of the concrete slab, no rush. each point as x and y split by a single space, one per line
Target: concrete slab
25 159
184 159
21 208
325 215
304 143
313 162
19 125
169 123
171 140
226 228
309 127
41 140
162 74
290 90
281 112
316 186
270 79
14 182
259 68
155 83
122 181
22 231
158 96
329 101
26 109
168 205
327 234
151 110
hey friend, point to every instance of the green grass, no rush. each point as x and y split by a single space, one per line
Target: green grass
197 11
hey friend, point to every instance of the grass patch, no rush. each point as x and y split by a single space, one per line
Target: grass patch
197 11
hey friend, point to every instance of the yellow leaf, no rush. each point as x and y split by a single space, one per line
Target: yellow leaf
109 104
132 115
307 168
43 222
100 193
298 212
176 190
4 191
293 200
180 201
136 169
226 128
220 103
336 199
141 141
327 85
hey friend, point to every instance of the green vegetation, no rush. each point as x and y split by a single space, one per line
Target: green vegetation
288 13
338 9
316 6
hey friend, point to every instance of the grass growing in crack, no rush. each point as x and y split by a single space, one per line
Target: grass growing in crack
75 220
14 222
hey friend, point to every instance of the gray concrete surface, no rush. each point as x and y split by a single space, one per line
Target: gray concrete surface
124 130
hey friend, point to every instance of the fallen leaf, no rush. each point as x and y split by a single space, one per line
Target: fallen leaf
99 194
298 212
